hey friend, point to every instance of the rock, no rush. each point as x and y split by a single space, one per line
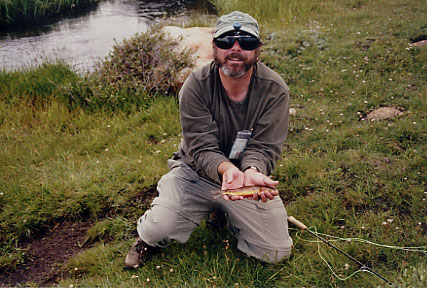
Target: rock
198 39
383 113
421 43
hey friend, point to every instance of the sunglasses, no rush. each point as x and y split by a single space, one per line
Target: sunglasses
246 42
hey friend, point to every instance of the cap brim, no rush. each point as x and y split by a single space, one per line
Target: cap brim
231 28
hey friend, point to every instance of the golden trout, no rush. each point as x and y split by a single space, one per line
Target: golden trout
247 191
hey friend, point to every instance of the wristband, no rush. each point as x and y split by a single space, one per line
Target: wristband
251 167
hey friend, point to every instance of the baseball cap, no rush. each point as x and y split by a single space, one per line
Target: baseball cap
236 21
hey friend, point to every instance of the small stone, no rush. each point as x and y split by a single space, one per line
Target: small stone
421 43
383 113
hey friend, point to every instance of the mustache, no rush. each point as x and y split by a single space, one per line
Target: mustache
235 55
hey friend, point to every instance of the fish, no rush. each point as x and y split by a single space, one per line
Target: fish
247 191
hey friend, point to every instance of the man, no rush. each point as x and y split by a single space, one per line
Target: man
234 100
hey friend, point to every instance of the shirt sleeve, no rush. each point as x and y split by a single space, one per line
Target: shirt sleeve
269 133
199 129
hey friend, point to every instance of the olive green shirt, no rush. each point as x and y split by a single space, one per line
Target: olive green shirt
210 121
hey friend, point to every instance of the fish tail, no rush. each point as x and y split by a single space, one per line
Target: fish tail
217 193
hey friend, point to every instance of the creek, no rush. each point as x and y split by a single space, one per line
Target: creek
85 39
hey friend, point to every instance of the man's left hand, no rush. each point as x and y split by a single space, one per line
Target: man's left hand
253 177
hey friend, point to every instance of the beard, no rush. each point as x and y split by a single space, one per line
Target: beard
234 70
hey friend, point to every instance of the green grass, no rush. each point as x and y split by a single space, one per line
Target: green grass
14 13
339 174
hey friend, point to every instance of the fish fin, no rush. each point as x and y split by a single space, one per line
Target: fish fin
217 193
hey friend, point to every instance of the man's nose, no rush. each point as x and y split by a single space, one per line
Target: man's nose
236 45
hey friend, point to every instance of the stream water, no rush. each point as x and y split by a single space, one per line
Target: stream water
86 39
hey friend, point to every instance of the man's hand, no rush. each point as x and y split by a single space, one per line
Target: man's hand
253 177
232 177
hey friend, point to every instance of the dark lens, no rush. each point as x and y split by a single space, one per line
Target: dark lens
245 42
248 43
224 43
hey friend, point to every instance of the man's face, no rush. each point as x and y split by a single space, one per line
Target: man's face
235 62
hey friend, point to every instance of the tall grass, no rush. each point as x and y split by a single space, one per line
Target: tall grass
17 12
276 13
340 174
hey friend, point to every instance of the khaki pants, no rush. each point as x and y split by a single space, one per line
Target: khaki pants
185 199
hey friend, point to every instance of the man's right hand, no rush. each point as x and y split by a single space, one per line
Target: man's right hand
232 177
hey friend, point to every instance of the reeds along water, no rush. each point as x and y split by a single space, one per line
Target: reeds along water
14 11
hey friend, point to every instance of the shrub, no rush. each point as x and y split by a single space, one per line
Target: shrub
134 72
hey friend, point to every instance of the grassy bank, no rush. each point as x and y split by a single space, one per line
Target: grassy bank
340 174
15 13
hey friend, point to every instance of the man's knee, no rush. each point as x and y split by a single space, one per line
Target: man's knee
275 256
156 224
264 254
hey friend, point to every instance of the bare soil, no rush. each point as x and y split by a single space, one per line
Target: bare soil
46 254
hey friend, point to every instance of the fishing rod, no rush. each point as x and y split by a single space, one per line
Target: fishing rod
363 267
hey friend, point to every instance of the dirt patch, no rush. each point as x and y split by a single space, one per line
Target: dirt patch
46 254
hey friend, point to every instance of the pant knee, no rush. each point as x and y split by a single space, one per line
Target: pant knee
263 254
154 231
275 256
159 225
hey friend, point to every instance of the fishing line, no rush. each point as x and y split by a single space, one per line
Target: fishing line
422 249
326 262
362 267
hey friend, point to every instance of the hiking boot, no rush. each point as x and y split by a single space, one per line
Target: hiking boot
139 252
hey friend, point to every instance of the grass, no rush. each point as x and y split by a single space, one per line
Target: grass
340 174
15 13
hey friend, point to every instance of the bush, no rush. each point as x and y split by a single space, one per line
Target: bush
137 70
